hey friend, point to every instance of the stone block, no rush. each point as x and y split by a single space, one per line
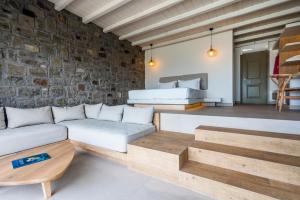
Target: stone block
28 92
38 72
4 26
31 48
15 71
28 33
56 91
81 87
50 24
7 91
26 21
38 12
41 82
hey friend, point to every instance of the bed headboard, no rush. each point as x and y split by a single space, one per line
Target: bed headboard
202 76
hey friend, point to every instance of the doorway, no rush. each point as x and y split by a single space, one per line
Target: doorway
254 72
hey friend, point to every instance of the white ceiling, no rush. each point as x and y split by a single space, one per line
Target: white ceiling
164 22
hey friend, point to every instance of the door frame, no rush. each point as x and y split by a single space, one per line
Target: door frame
241 73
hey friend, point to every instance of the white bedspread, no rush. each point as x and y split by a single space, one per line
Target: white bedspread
172 93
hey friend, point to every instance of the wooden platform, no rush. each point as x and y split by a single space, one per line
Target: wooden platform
222 166
176 107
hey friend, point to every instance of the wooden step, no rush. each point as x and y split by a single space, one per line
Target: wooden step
160 154
270 165
225 184
265 141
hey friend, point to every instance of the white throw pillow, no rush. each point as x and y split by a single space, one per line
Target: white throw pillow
111 113
68 113
167 85
194 83
2 119
17 117
92 111
138 115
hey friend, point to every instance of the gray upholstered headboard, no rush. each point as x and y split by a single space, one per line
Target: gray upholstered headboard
203 79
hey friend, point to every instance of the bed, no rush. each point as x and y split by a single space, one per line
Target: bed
172 98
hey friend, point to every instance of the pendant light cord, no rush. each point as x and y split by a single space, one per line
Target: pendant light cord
151 51
211 29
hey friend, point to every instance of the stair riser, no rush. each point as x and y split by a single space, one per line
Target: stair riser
270 144
218 190
271 170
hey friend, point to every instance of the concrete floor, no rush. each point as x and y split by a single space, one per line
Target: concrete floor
93 178
248 111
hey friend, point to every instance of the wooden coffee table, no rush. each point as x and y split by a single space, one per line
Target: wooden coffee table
44 172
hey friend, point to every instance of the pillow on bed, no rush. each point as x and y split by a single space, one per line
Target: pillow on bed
194 83
138 115
92 111
111 113
167 85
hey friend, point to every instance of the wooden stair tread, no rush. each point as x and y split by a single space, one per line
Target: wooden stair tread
169 142
276 189
250 153
251 132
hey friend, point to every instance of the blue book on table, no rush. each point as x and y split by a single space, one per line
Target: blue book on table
29 160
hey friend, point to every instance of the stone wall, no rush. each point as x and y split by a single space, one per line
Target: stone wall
51 58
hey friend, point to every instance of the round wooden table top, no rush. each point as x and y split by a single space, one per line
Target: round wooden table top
61 154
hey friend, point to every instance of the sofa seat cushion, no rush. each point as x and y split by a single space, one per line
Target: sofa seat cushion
17 139
106 134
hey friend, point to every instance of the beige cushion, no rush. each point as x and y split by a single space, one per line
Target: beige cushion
2 119
111 113
92 111
138 115
18 117
194 83
68 113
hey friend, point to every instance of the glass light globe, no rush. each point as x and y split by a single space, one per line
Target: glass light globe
211 52
151 63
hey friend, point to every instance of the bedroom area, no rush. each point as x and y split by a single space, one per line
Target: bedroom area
150 99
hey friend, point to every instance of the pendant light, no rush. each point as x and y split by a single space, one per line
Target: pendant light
211 52
151 62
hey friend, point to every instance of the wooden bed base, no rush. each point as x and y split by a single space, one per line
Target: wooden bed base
183 107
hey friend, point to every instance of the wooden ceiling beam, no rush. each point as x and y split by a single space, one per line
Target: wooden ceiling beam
155 9
181 17
226 16
60 5
109 7
266 26
261 35
228 27
247 43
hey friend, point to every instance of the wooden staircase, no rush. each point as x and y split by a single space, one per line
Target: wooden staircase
234 164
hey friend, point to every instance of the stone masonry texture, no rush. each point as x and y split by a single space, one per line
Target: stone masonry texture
51 58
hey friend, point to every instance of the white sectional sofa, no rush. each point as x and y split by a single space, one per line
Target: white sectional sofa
99 125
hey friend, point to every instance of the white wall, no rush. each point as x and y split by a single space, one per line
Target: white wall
190 57
254 47
186 123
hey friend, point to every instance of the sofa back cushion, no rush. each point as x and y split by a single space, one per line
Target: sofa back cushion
92 111
68 113
111 113
2 119
138 115
17 117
